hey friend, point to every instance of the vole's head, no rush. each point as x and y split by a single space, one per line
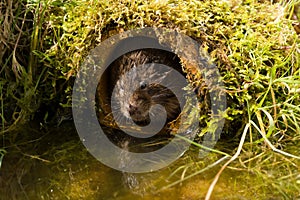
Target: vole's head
147 95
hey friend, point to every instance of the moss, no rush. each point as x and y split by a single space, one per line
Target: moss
253 44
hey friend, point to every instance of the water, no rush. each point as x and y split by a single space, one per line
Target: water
54 165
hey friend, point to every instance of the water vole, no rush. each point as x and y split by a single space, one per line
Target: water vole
125 74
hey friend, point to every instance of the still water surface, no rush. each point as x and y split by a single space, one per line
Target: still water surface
53 164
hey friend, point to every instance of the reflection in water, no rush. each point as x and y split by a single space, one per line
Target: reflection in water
55 165
129 179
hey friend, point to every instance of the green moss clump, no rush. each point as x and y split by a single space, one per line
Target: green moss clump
253 44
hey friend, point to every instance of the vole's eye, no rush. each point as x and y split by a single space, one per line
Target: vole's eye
143 85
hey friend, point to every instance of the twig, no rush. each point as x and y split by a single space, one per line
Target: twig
271 145
196 173
212 185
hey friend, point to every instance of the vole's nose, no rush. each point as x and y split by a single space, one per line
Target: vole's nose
132 109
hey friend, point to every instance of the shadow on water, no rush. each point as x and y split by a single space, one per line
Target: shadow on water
54 164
